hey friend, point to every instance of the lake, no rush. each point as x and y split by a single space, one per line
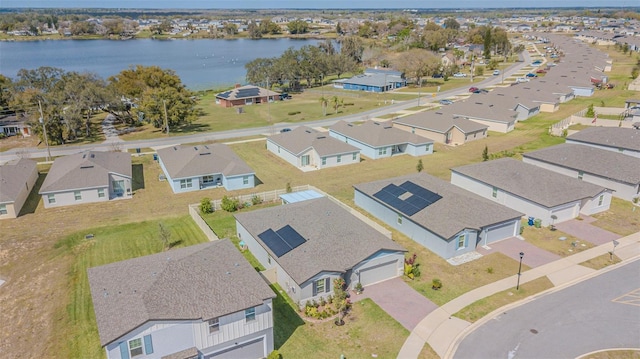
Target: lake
201 64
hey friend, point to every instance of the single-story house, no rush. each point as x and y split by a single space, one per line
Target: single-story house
380 139
17 179
373 80
246 95
442 217
487 110
87 177
532 190
311 243
192 168
442 127
11 125
201 301
622 140
308 149
604 168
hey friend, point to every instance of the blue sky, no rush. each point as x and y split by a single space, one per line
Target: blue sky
308 4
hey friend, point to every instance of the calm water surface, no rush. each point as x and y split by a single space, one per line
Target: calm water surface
201 64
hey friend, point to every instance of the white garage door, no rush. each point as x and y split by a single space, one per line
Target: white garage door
564 214
250 350
498 232
379 273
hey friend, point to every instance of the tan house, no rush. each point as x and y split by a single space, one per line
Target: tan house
443 128
17 178
246 95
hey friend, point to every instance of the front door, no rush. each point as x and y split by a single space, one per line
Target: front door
305 160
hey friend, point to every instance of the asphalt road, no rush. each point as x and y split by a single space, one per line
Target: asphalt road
599 313
110 145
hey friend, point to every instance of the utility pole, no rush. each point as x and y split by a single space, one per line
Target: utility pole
44 129
166 118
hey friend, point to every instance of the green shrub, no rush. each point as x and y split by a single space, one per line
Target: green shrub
436 284
255 200
590 111
490 270
274 355
206 206
293 113
230 204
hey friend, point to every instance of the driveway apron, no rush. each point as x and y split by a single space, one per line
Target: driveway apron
587 232
511 247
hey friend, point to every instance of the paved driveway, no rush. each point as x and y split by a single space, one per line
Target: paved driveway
511 247
399 300
584 230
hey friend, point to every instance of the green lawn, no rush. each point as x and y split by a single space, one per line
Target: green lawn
110 244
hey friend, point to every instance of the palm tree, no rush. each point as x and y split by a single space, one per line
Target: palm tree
324 102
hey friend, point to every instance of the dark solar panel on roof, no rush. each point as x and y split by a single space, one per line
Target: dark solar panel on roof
289 235
248 92
225 94
420 198
281 241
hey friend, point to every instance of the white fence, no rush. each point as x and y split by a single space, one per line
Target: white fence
580 118
194 212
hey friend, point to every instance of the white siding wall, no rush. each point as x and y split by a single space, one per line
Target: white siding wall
590 206
68 198
419 150
237 182
167 337
281 152
364 148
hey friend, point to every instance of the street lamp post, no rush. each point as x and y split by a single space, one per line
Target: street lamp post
519 270
44 130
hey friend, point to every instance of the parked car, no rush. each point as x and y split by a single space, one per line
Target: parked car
437 76
496 72
459 74
541 71
537 62
286 129
522 79
554 56
474 90
446 102
531 74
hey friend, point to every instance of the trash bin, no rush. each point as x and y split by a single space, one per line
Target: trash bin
155 156
537 223
137 150
530 221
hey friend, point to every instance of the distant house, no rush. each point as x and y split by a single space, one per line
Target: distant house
246 95
312 242
202 301
192 168
17 179
622 140
12 125
486 110
443 218
307 149
532 190
380 139
442 127
87 177
604 168
373 80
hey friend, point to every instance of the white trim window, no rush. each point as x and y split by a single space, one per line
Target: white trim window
324 161
355 156
494 192
100 192
399 219
186 183
51 198
77 195
3 209
600 200
245 180
462 241
214 325
135 347
250 314
339 158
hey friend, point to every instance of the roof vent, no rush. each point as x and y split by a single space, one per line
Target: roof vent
307 131
175 148
205 153
84 156
90 166
321 137
93 155
195 148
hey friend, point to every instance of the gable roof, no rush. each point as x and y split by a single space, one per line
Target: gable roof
199 160
89 169
456 210
373 79
376 134
616 137
247 91
336 240
13 176
603 163
303 138
441 122
531 182
488 107
202 281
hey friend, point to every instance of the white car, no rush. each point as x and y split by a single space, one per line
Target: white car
459 74
496 72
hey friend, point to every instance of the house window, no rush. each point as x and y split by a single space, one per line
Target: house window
100 192
461 241
339 159
304 160
399 219
324 161
51 198
278 149
600 200
320 286
428 147
118 187
135 347
245 180
494 194
248 101
355 155
269 259
185 183
207 179
250 314
413 130
214 325
3 209
382 151
620 150
77 195
580 175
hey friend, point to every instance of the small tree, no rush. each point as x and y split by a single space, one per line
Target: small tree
229 204
165 237
288 188
206 206
340 300
590 111
419 166
485 154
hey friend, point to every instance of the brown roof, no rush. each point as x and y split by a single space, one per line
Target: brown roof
377 134
200 160
89 169
303 138
202 281
440 121
336 240
13 176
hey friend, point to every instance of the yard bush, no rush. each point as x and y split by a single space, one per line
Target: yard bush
411 267
274 355
255 200
293 113
206 206
230 204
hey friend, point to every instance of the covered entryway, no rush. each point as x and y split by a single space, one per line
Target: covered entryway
498 232
253 349
378 273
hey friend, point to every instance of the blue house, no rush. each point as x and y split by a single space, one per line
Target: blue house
192 168
373 80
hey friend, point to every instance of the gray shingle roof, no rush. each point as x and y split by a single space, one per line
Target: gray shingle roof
440 121
536 184
373 79
304 138
616 137
203 281
485 107
456 210
335 239
603 163
89 169
376 134
200 160
13 176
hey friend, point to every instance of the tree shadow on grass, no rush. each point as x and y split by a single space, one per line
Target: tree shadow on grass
137 177
285 319
33 199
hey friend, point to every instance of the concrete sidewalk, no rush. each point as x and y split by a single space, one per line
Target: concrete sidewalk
442 331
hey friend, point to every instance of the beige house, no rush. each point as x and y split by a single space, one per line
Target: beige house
17 178
443 128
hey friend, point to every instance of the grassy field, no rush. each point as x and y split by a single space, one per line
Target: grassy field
548 240
614 354
602 261
622 217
